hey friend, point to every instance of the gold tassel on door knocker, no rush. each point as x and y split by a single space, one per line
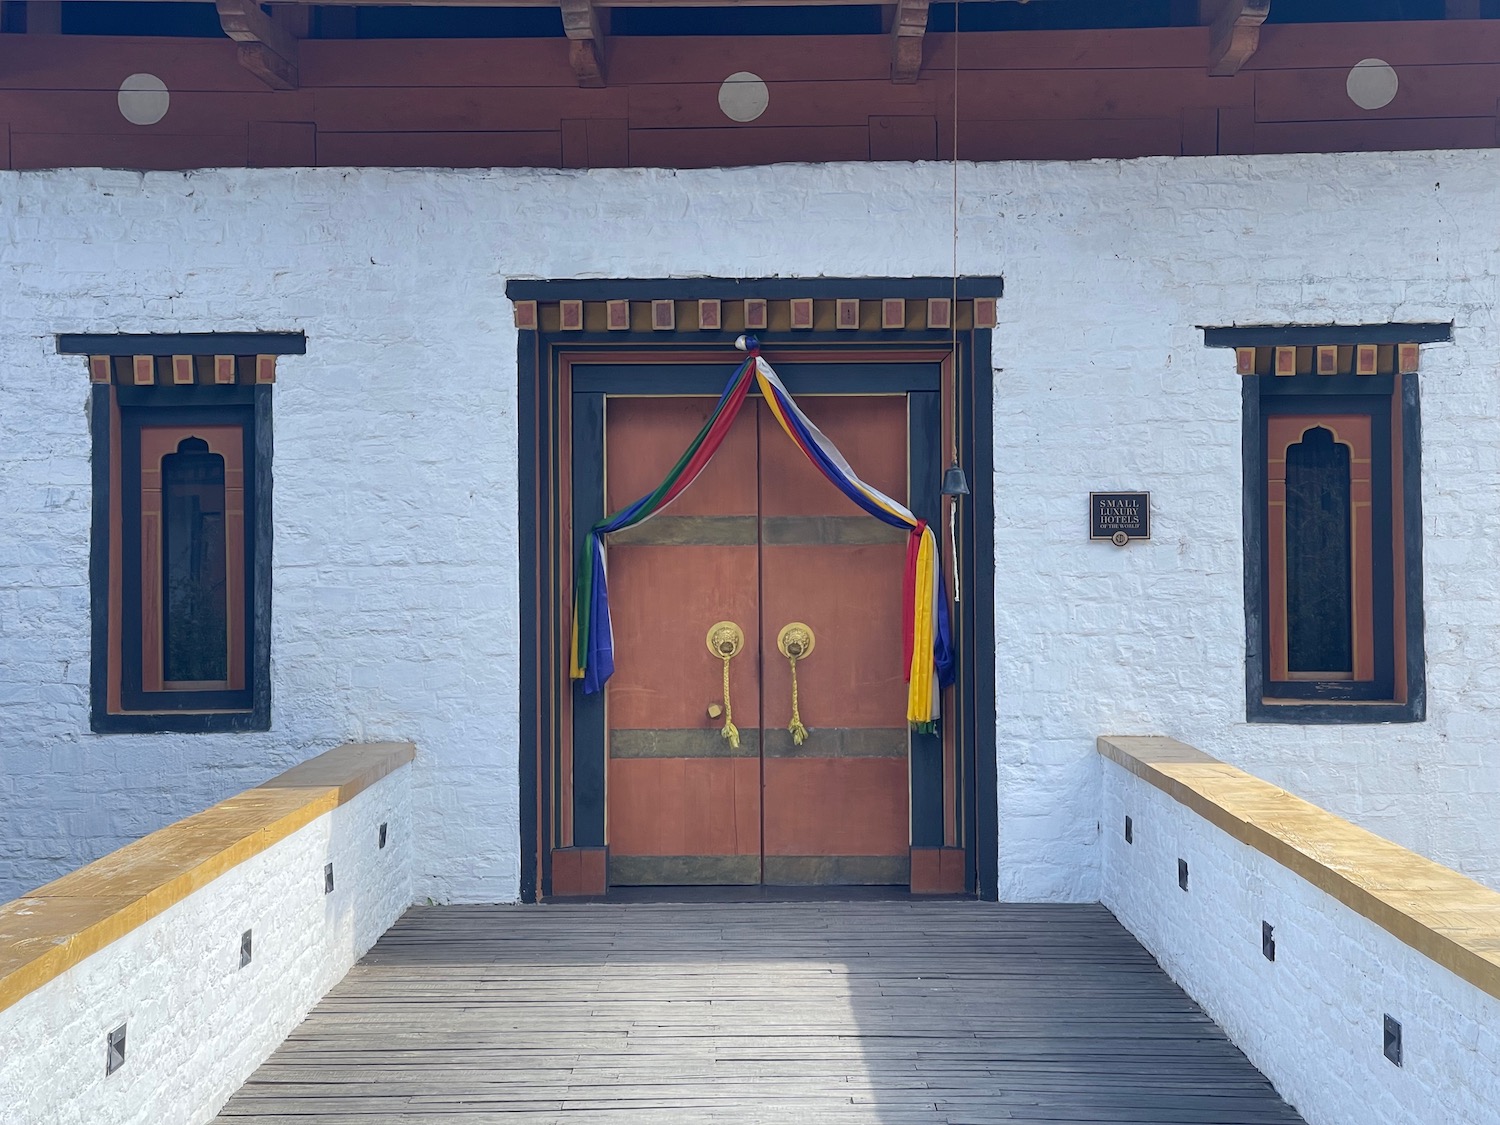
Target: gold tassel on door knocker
725 640
795 642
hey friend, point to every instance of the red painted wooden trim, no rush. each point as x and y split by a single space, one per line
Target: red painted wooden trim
1424 91
937 871
577 872
461 103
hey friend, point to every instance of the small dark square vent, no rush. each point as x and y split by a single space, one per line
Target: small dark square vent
245 948
328 879
1393 1040
1129 831
1182 874
382 835
114 1051
1268 941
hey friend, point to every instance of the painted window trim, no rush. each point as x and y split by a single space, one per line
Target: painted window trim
1404 650
118 703
142 689
1358 427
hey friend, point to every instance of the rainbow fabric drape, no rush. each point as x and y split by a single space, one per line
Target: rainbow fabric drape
928 660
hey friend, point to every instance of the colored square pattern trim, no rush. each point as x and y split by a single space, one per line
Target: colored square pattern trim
1285 360
757 314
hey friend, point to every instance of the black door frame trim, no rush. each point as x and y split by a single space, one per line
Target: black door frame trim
771 288
542 446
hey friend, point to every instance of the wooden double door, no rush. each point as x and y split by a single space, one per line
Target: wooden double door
762 540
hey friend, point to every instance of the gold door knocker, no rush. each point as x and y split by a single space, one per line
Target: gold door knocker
725 640
796 642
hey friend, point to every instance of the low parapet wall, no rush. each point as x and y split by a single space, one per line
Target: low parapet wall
1362 979
207 942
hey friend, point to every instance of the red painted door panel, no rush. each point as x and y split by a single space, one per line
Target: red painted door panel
760 539
836 807
683 806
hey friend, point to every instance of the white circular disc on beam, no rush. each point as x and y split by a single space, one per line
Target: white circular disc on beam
144 99
1372 84
743 96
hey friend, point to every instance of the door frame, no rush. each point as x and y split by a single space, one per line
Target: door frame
559 324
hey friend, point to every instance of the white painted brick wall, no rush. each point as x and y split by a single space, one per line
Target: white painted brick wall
395 579
1313 1020
197 1023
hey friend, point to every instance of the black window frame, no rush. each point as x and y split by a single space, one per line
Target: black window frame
247 709
1390 700
1409 697
1369 397
236 411
116 412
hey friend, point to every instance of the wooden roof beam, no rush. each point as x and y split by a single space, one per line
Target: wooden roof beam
44 17
1235 34
603 4
584 24
908 28
266 48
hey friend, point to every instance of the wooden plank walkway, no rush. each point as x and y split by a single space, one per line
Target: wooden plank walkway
900 1013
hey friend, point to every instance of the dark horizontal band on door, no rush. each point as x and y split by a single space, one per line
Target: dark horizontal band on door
839 742
683 870
828 531
774 531
740 870
837 870
822 742
708 743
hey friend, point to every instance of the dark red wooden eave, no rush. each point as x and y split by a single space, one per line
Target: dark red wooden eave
512 103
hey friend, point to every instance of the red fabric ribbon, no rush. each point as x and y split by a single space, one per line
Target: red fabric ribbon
715 438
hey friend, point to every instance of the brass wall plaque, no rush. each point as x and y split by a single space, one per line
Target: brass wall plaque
1119 516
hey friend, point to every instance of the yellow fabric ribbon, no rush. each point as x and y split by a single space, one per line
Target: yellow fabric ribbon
922 698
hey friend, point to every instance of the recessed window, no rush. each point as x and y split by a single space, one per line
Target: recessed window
197 576
1328 548
1318 579
187 564
1332 522
179 577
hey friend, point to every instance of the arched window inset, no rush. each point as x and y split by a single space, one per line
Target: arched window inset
1319 562
194 571
1329 631
186 554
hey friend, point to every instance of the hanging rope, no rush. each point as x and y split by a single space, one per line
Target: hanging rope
726 640
730 733
795 727
796 641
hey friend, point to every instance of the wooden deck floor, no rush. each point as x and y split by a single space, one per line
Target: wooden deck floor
961 1013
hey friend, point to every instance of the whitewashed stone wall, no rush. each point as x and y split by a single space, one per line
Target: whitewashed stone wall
1312 1020
197 1023
395 585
